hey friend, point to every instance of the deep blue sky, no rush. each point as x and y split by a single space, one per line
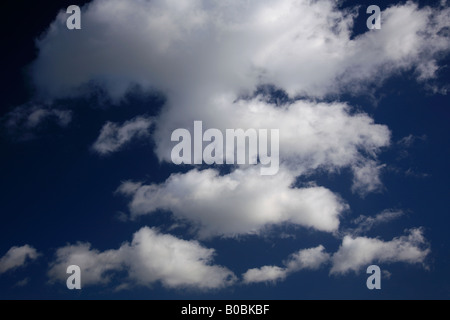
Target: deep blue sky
54 190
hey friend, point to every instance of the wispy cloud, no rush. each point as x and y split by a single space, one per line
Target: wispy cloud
306 259
366 223
114 137
25 121
17 257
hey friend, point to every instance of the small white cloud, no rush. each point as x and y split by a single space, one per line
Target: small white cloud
365 223
114 136
409 140
17 257
151 257
366 178
355 253
311 259
264 274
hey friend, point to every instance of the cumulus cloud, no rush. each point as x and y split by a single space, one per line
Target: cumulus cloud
114 136
307 259
355 253
303 47
17 257
151 257
312 135
311 259
241 202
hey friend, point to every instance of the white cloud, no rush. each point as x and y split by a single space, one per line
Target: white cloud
408 141
303 47
312 135
96 267
113 136
151 257
355 253
264 274
241 202
365 223
366 177
311 259
17 257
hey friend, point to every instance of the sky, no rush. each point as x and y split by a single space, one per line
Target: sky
88 177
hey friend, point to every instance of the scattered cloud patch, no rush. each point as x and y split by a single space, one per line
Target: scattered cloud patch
355 253
366 178
264 274
410 140
365 223
307 259
17 257
114 136
24 121
22 283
